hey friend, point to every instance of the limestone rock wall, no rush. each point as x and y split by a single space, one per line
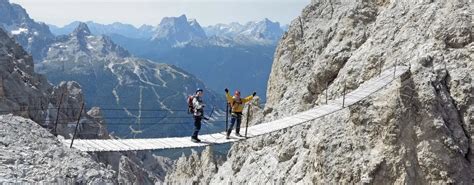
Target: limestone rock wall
30 155
418 130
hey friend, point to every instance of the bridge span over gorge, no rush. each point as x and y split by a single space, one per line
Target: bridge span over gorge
364 90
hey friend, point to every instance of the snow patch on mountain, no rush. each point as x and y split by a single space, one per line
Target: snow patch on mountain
33 36
19 31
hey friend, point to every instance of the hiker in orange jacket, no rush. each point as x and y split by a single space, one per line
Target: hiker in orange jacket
237 106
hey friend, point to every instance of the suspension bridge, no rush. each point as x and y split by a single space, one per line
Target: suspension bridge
364 90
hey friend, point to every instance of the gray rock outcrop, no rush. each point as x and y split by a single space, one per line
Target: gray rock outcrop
418 130
31 154
141 167
194 168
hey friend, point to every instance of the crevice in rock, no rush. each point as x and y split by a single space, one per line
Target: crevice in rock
4 144
300 19
444 83
411 106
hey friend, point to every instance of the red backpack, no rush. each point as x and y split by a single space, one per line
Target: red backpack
190 104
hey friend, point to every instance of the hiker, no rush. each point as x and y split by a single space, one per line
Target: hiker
198 113
237 105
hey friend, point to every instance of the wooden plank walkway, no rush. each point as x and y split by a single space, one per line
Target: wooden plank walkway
364 90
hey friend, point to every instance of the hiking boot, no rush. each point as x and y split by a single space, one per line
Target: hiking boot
195 140
238 135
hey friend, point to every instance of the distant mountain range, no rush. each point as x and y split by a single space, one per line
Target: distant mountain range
238 56
263 32
145 31
34 37
234 56
134 93
178 31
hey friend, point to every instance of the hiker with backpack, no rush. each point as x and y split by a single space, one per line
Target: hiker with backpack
237 106
196 107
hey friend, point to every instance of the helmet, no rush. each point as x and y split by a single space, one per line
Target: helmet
199 89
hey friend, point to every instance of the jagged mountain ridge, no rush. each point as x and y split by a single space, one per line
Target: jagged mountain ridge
144 31
263 32
236 62
245 54
113 79
418 130
178 31
33 36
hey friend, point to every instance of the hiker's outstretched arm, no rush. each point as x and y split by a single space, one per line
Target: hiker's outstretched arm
247 99
229 98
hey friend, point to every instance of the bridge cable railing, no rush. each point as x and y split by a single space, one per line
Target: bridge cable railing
344 93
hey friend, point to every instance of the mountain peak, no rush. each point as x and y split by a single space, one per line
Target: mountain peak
192 21
264 31
183 17
32 36
82 30
178 30
267 21
174 20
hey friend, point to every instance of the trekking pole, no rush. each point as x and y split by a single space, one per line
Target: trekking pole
247 124
226 116
77 124
57 115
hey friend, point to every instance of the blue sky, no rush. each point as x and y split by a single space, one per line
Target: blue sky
138 12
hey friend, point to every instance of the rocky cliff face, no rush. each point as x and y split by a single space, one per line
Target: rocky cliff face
31 153
195 168
26 93
136 167
418 130
33 36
